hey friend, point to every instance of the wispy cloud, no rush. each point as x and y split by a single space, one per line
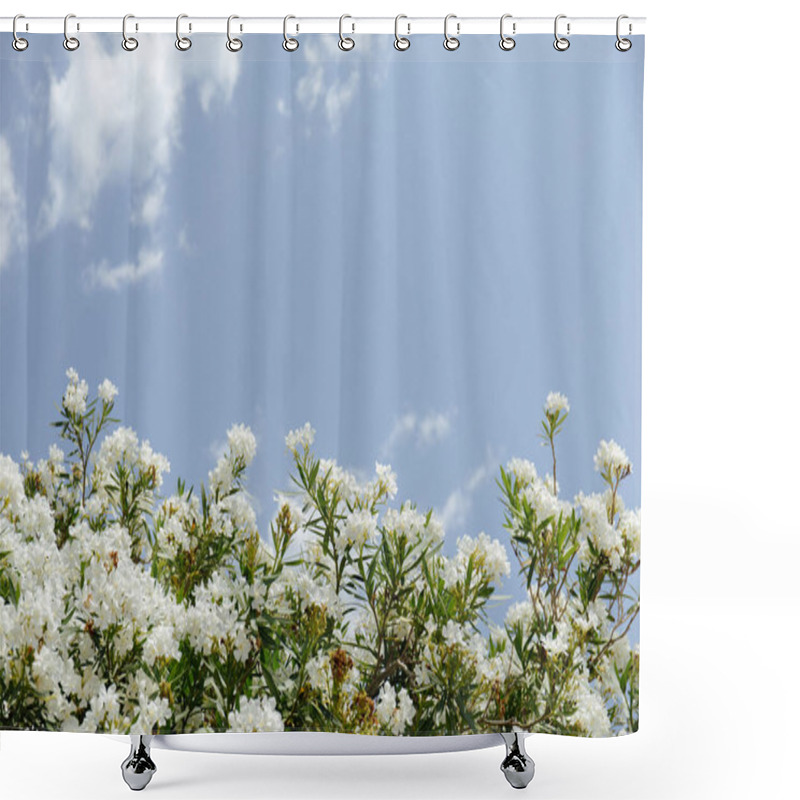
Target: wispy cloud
423 430
217 449
131 143
454 514
330 84
12 228
184 245
106 276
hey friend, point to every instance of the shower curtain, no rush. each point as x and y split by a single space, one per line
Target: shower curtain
320 380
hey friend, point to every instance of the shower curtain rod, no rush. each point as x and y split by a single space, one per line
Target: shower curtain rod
250 25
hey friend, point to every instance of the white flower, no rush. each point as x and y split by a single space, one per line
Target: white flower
152 712
123 447
359 528
317 671
150 460
386 480
300 438
255 716
524 470
488 556
519 614
555 403
298 516
454 634
221 477
339 479
611 458
76 393
11 486
105 705
407 521
395 710
540 496
106 391
241 512
620 652
590 715
595 526
242 444
557 643
630 526
300 582
241 452
160 643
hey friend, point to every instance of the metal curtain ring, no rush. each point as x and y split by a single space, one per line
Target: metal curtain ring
233 44
128 42
507 42
401 42
561 43
623 45
451 42
181 42
18 43
345 42
289 44
70 42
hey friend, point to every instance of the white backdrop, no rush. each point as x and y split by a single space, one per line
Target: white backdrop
721 433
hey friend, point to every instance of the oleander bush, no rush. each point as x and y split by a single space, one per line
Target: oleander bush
124 610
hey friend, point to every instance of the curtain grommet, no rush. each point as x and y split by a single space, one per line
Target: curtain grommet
71 43
561 43
507 43
233 44
622 44
129 43
451 43
401 43
290 44
18 43
183 43
346 43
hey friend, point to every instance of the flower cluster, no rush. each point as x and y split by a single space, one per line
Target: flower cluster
124 610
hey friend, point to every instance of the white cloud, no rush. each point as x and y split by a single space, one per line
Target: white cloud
424 431
184 245
433 428
117 119
105 276
12 225
216 81
330 83
455 511
217 449
153 203
339 97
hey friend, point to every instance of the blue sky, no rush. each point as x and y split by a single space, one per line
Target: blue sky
408 250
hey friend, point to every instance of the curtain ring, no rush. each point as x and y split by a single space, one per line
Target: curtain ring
451 42
18 43
623 45
70 42
233 44
345 42
181 42
400 42
561 43
289 44
506 42
128 42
